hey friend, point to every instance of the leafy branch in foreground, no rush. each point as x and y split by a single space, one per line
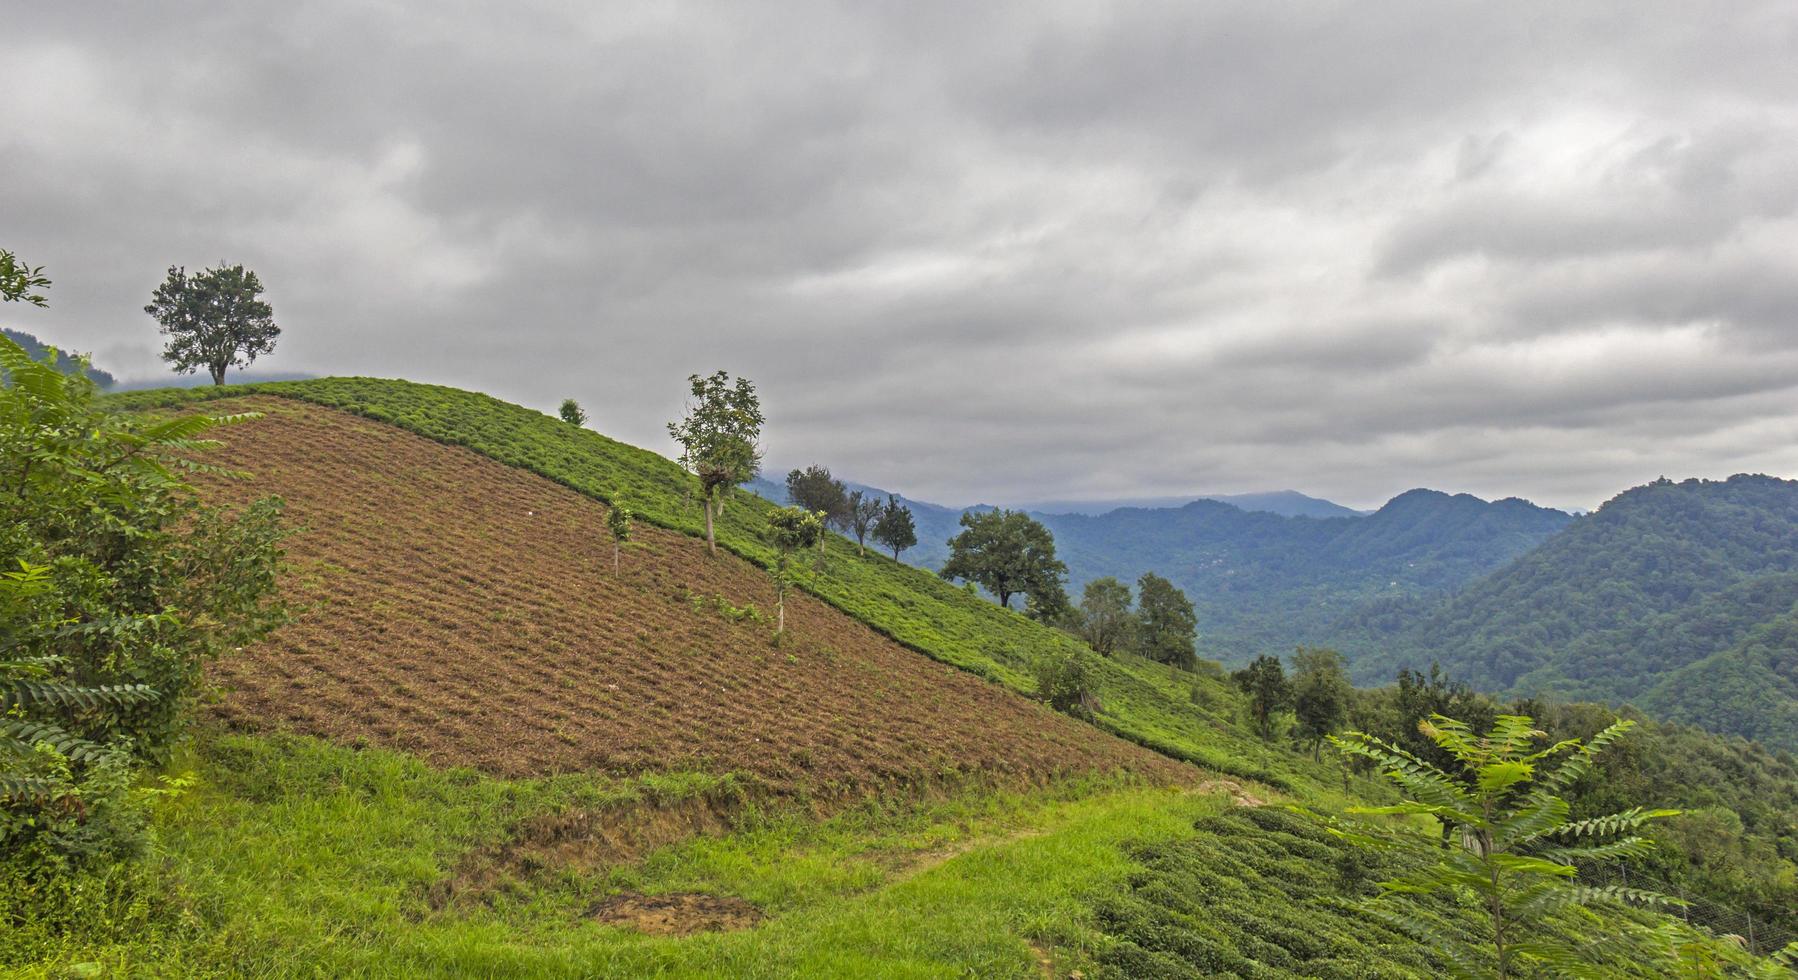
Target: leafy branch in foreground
1508 843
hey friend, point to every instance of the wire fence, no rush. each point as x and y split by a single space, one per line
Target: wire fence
1757 935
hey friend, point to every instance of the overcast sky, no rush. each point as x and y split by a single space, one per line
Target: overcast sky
971 251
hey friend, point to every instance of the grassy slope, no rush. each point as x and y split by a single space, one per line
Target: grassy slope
1144 703
296 857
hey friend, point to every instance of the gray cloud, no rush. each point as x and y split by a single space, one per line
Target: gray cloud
993 252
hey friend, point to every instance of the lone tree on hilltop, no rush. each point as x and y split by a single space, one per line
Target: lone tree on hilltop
1007 553
618 521
791 530
815 490
214 319
719 439
863 514
572 413
1166 623
894 528
1104 619
1264 681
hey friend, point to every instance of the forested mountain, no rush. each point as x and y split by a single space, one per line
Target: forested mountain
64 363
1263 582
1680 597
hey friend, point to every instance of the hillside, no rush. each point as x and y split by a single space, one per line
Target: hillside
466 612
1668 594
1152 705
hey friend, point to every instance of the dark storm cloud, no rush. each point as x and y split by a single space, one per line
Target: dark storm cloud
974 251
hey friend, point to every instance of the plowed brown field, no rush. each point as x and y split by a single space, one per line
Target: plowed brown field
465 611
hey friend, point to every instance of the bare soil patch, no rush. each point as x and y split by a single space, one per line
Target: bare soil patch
677 914
465 611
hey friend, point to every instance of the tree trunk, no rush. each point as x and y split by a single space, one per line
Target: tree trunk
1005 599
780 611
614 558
218 373
711 542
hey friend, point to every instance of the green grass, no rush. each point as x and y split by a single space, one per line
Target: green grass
1143 702
298 858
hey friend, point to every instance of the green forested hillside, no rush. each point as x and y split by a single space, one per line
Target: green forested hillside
1676 595
1261 582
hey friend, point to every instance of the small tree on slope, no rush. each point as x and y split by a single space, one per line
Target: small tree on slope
572 413
1515 848
863 513
895 528
618 521
719 439
791 530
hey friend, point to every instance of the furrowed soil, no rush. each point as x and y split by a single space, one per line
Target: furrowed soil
467 612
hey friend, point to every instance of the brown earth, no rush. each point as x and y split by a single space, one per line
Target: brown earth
678 914
465 611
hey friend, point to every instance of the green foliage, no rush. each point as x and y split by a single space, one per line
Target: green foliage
1165 623
1104 619
38 350
1066 684
572 413
814 489
1264 681
895 528
118 587
618 521
1513 842
214 319
20 282
1007 553
791 530
1321 694
861 514
719 439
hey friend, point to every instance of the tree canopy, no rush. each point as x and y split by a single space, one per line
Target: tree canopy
1007 553
214 319
1105 620
720 439
1166 625
895 528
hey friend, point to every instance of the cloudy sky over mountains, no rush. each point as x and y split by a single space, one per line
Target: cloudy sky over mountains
974 252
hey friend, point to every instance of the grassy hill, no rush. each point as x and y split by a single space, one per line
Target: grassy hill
1675 595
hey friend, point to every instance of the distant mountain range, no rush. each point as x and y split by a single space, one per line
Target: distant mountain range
1287 503
1261 580
1681 598
64 363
